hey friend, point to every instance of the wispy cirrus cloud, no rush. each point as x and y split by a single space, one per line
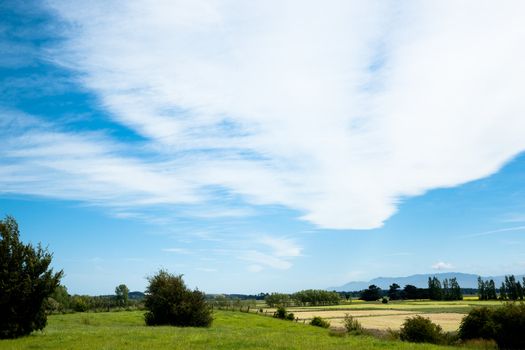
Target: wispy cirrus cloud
338 110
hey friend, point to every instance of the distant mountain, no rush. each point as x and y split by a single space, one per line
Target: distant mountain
465 280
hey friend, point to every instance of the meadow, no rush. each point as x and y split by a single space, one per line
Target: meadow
230 330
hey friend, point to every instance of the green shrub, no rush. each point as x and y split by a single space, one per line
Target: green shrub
384 300
170 302
505 325
280 313
352 325
478 324
319 322
419 329
290 316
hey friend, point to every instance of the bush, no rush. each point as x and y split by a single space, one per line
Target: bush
319 322
170 302
352 325
26 282
478 324
384 300
280 313
419 329
290 316
505 325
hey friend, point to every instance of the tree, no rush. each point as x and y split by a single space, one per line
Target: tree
26 281
393 292
482 292
435 291
502 292
170 302
121 293
371 294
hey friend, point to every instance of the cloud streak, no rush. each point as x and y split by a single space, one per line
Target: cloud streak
338 110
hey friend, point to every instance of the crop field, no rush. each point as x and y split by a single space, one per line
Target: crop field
375 315
230 330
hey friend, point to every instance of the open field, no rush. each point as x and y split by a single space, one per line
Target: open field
230 330
375 315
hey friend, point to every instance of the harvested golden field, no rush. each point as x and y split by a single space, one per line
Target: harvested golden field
448 321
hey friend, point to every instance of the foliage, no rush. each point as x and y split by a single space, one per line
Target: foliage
511 289
505 325
371 294
478 324
419 329
393 292
384 300
121 295
412 292
314 297
319 322
224 302
290 316
352 325
487 289
280 313
278 299
26 281
309 297
170 302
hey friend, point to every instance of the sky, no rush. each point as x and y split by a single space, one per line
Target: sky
266 145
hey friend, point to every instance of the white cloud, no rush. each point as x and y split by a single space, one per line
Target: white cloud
276 253
338 110
442 266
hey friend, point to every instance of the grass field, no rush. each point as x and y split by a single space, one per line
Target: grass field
230 330
375 315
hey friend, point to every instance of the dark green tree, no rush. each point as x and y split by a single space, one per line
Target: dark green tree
455 290
502 292
492 290
435 291
170 302
482 293
394 293
26 281
371 294
121 295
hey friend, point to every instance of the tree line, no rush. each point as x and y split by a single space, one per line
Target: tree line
449 289
309 297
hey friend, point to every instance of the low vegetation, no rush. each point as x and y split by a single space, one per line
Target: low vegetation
319 322
505 325
419 329
170 302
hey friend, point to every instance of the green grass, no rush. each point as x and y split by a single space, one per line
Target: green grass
230 330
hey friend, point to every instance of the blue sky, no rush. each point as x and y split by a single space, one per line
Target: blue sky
269 146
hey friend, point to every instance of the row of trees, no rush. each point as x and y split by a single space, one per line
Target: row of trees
61 301
448 290
312 297
510 289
